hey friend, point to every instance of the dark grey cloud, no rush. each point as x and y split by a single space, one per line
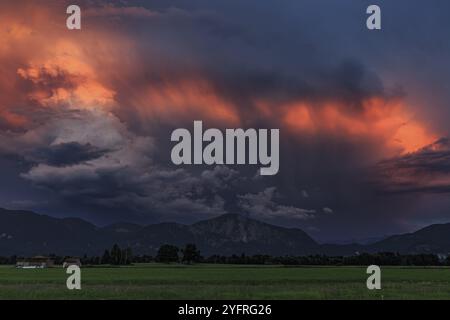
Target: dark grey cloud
263 205
424 171
65 154
116 171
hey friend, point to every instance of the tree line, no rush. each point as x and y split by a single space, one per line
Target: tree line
190 255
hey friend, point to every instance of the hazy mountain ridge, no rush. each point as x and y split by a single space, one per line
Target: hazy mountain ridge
28 233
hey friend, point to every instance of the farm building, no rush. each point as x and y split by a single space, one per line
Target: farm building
35 262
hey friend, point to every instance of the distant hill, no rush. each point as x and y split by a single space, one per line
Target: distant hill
26 233
431 239
235 234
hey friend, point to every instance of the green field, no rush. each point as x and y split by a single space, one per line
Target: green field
156 281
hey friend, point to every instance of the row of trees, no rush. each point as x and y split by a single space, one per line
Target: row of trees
117 256
383 258
124 256
190 254
169 253
166 254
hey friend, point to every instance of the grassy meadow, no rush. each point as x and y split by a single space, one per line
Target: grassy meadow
158 281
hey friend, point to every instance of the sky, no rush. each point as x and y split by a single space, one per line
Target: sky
86 115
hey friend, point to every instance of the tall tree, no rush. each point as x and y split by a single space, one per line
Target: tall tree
127 256
191 254
106 258
167 253
116 255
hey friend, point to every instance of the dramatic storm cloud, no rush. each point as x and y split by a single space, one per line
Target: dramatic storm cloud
426 170
86 116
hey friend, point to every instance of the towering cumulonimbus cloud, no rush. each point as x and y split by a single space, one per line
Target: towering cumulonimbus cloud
90 112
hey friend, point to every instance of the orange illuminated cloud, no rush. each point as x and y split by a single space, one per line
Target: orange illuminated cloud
187 98
42 67
45 66
379 119
12 120
299 116
78 71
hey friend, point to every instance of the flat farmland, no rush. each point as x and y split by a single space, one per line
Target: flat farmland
203 281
